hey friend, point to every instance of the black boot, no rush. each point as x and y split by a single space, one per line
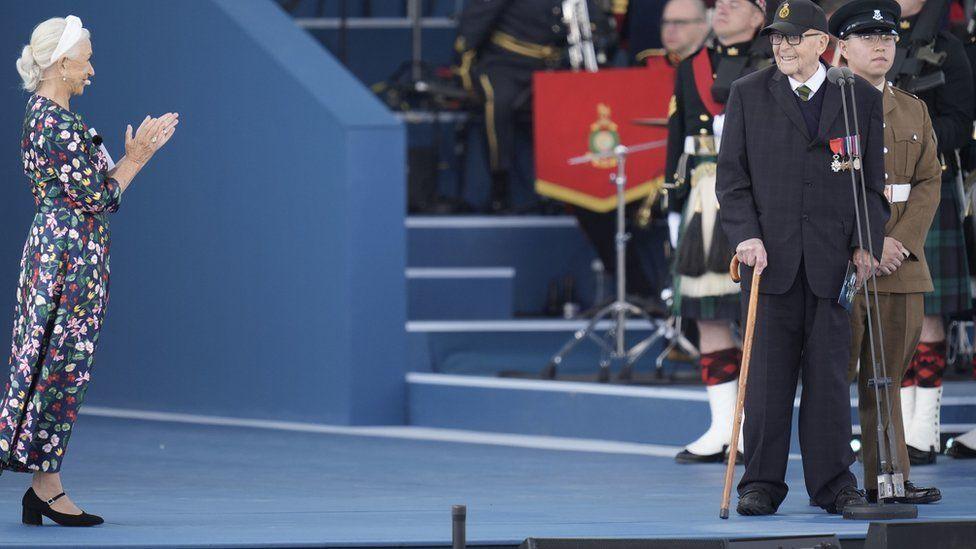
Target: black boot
913 494
921 457
35 508
959 450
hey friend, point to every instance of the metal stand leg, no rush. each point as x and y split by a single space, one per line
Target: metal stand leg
613 343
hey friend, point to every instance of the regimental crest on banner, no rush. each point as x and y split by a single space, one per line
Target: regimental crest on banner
601 112
603 138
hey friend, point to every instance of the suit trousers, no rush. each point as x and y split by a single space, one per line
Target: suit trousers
798 336
901 324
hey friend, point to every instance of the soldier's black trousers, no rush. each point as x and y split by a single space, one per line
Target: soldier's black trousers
798 335
506 87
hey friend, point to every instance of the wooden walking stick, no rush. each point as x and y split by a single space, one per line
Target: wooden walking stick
740 400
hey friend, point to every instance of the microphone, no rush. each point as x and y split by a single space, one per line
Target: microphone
848 73
97 140
836 75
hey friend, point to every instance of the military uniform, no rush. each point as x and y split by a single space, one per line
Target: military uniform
950 107
912 188
951 110
691 154
703 290
501 43
913 163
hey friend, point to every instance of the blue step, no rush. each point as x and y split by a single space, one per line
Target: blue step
487 347
651 415
460 293
540 249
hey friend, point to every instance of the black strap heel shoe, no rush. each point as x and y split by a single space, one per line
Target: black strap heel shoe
35 508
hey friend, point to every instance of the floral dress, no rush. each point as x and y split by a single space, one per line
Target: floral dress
62 290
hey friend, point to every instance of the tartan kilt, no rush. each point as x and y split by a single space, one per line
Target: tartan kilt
719 307
945 251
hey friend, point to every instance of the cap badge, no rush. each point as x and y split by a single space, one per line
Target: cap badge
877 15
784 11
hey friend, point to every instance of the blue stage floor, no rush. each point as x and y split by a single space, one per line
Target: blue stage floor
171 484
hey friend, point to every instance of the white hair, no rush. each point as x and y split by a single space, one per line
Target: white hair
36 56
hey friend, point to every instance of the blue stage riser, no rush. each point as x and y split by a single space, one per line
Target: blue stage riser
486 352
658 415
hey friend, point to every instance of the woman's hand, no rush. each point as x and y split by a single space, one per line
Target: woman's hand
151 135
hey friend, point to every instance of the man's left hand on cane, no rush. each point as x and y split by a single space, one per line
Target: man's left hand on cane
865 263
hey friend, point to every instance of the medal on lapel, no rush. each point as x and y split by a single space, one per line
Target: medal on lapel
837 147
853 149
847 152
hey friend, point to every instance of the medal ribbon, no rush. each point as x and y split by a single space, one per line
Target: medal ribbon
848 146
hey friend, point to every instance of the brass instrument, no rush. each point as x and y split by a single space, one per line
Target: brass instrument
576 16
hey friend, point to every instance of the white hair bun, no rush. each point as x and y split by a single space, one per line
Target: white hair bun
30 71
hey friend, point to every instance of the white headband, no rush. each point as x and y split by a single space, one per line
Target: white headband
70 36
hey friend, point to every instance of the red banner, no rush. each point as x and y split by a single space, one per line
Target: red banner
578 113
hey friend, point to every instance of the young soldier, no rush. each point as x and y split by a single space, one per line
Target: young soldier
867 35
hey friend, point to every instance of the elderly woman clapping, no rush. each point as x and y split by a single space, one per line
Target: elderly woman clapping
64 273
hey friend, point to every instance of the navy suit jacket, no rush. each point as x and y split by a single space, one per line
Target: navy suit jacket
774 181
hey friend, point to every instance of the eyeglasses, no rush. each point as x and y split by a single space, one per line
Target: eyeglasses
875 39
792 39
680 22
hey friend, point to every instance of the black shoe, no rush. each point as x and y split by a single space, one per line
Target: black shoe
755 503
35 507
687 457
913 494
849 495
959 450
920 457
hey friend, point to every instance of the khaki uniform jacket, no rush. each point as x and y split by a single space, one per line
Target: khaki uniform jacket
910 157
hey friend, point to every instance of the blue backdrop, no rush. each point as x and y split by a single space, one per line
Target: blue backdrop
258 262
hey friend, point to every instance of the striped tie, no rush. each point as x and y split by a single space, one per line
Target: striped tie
804 92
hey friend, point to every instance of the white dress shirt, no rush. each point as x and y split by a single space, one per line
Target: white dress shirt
814 82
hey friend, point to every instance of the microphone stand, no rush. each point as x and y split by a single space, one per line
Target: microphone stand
891 481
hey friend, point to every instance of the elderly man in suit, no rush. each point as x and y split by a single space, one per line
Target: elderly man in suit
787 204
